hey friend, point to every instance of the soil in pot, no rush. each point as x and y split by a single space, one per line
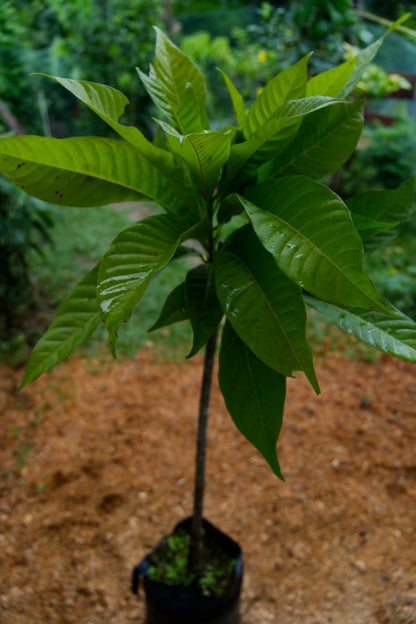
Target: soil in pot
175 595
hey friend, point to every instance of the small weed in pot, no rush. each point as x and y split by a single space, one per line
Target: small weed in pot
247 203
169 564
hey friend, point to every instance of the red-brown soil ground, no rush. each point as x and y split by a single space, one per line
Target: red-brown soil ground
97 464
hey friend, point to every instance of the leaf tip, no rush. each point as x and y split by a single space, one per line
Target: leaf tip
275 466
23 383
191 353
28 377
112 343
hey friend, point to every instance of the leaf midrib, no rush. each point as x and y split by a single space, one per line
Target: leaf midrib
258 287
315 248
95 176
285 99
256 395
371 325
317 144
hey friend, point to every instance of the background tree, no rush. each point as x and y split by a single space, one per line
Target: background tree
101 39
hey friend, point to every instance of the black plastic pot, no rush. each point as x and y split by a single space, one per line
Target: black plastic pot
175 604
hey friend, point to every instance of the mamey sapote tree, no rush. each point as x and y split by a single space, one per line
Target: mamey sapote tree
249 202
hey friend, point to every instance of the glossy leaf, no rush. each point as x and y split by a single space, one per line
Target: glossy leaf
289 84
174 309
394 335
205 153
74 322
83 171
308 230
202 306
177 87
265 308
126 269
254 395
332 81
324 142
109 104
273 137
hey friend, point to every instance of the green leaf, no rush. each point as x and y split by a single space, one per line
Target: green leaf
205 153
273 137
237 100
324 142
394 335
84 171
174 309
331 81
366 56
74 322
254 395
375 211
308 230
265 308
128 266
290 84
177 87
109 104
202 306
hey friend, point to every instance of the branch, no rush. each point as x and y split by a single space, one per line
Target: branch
10 119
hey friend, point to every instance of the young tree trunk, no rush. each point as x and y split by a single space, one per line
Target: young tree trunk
195 553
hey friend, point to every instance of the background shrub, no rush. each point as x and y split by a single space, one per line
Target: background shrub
25 225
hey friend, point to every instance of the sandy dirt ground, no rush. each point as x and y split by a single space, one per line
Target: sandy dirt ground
97 464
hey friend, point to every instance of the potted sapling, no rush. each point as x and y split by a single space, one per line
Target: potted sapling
249 203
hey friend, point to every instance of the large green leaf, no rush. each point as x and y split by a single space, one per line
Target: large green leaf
128 266
174 309
331 81
177 87
75 320
254 395
324 142
265 308
202 306
394 335
84 171
308 230
273 137
375 211
290 84
109 104
205 153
